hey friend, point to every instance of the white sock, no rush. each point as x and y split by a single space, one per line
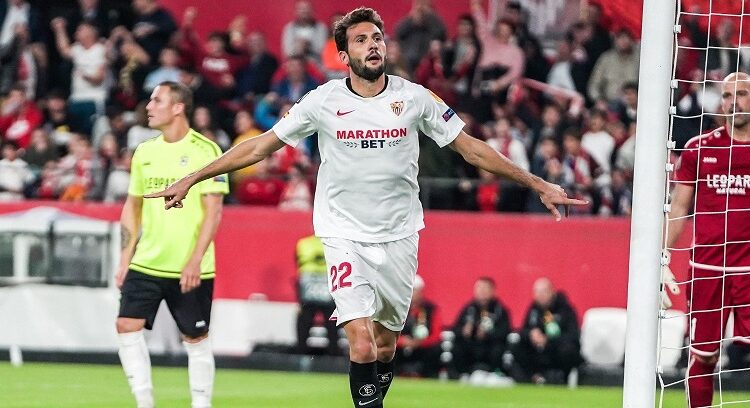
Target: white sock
136 363
201 371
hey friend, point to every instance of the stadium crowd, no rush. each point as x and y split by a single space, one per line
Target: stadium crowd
557 99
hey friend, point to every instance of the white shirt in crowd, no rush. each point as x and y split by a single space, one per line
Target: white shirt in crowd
13 177
14 16
516 151
88 62
367 182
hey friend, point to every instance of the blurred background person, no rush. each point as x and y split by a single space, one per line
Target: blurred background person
550 338
481 330
418 348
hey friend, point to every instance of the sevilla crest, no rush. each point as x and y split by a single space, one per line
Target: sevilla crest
397 107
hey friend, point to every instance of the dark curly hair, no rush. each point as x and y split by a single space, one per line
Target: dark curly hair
356 16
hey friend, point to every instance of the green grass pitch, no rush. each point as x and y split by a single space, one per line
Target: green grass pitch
104 386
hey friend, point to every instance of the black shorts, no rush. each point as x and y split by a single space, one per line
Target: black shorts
141 295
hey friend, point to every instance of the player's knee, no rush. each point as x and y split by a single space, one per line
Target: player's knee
362 350
126 325
386 353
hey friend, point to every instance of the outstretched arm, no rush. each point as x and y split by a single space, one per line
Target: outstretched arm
481 155
244 154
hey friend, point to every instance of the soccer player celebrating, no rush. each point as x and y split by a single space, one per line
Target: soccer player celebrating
367 210
717 165
174 257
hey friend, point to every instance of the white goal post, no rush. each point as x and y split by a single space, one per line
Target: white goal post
656 64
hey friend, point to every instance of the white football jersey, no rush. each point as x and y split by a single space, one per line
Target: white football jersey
367 187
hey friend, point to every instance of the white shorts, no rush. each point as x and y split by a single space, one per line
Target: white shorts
372 280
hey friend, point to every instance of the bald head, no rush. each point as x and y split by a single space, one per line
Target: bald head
735 101
544 292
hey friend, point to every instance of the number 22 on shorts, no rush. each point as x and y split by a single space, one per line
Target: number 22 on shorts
345 268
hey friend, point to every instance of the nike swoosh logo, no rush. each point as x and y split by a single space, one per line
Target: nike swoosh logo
362 404
339 113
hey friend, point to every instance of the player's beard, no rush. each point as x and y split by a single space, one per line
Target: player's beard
361 70
740 120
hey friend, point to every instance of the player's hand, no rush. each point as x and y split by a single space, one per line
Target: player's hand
553 195
174 194
120 275
537 338
190 278
668 280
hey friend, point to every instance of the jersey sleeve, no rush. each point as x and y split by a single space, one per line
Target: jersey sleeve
302 119
135 186
437 120
215 185
687 166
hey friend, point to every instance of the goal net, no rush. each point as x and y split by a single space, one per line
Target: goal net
707 206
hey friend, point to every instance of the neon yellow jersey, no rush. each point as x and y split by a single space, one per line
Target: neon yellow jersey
168 237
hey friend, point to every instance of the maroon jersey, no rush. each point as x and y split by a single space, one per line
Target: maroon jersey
719 168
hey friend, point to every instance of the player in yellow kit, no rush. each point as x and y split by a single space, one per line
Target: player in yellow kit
169 254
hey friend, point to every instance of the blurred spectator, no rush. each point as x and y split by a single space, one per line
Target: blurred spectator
56 119
723 55
255 78
19 116
547 19
415 32
102 17
614 69
16 13
550 346
461 55
297 194
140 131
545 164
550 127
213 62
330 59
40 151
396 62
627 106
418 348
488 192
600 145
10 56
77 170
168 70
118 179
203 119
622 193
432 74
561 72
579 170
598 40
261 188
269 109
244 126
14 173
297 82
512 195
90 82
501 62
625 158
537 65
481 330
49 184
315 302
304 35
152 28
